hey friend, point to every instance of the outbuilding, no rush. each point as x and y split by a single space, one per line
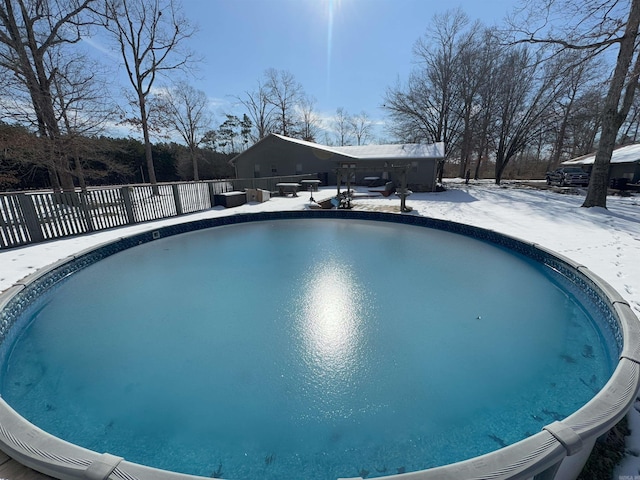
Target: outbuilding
624 166
277 155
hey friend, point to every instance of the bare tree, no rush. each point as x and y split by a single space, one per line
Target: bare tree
425 109
341 123
585 122
260 110
594 26
484 120
285 94
630 130
29 31
186 112
468 80
579 77
150 36
361 127
82 108
439 53
310 121
524 97
483 93
410 110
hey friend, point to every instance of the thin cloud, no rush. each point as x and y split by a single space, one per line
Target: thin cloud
96 45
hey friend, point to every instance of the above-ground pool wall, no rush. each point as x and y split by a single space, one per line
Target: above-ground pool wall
571 466
557 452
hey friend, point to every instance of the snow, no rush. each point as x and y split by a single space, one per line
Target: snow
607 241
406 151
627 154
374 151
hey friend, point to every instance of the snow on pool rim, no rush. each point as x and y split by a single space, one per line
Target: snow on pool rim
572 437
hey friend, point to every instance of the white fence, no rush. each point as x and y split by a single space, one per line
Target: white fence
35 217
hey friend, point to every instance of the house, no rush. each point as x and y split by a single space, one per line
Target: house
625 163
277 155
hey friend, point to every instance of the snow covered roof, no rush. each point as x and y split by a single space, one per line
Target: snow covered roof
626 154
407 150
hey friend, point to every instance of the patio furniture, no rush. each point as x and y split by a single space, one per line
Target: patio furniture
288 188
371 181
230 199
385 191
310 183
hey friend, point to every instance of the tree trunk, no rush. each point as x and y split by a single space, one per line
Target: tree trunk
79 172
500 162
194 162
499 170
53 178
149 158
61 161
476 174
41 97
554 160
147 146
466 143
613 118
599 181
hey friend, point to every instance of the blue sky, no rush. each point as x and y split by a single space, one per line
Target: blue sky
345 53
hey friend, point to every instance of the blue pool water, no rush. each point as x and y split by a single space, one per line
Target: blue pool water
311 349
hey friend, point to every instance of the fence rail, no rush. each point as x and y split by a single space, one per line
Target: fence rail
31 217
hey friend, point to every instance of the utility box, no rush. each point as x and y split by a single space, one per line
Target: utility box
257 195
263 195
252 194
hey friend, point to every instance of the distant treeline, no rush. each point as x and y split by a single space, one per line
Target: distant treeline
99 160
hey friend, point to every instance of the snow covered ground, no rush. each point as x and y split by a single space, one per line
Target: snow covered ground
607 241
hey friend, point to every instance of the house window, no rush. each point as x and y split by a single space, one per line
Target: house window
298 168
350 175
256 170
414 167
274 170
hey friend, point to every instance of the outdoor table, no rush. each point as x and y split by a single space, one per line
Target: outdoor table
286 188
310 183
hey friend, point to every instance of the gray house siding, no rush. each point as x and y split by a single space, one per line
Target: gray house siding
625 163
421 174
630 171
272 157
275 156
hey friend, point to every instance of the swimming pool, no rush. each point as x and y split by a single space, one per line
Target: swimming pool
324 362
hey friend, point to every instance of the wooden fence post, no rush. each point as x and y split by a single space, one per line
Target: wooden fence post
31 220
211 194
177 199
128 204
86 211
